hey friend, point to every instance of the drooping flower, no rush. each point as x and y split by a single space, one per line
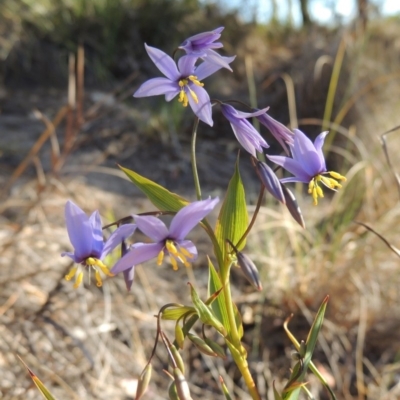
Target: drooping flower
308 165
90 249
280 132
167 241
245 133
183 79
202 45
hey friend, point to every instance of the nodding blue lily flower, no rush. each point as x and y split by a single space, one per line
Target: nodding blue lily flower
308 165
202 45
245 133
90 249
166 241
183 79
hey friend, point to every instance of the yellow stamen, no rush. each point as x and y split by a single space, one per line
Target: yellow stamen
336 175
99 282
311 186
194 79
183 98
71 273
186 252
194 95
160 257
78 280
171 247
174 263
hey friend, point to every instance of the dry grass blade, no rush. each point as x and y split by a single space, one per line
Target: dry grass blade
391 247
385 149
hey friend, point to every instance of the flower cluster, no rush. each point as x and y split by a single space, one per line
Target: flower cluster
304 159
90 249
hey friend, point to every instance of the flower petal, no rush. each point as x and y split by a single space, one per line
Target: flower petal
213 57
190 247
202 108
189 216
152 227
202 40
270 180
206 68
97 232
157 86
140 252
293 166
318 143
231 114
129 275
163 62
79 230
120 234
186 65
305 153
70 255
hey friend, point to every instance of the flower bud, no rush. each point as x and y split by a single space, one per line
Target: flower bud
202 346
216 348
179 335
143 381
249 269
172 392
177 357
181 384
293 207
270 180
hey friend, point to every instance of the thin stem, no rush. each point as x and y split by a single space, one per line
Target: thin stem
193 159
253 219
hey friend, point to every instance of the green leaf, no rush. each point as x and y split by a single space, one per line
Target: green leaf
42 388
218 306
162 198
233 218
314 331
176 312
205 312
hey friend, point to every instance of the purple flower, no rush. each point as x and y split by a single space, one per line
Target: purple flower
245 133
166 241
86 237
183 80
280 132
308 164
201 45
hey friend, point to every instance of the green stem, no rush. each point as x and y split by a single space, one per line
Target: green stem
193 159
243 366
253 219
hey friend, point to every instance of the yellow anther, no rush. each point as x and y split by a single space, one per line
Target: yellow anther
336 175
99 282
194 79
174 263
320 193
311 186
171 247
186 252
193 94
71 273
160 257
78 280
90 261
183 98
183 82
315 195
104 269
